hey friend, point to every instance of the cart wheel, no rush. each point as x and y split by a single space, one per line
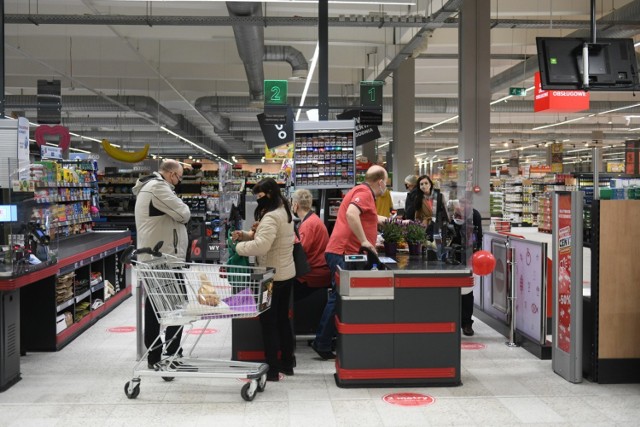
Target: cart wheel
262 383
134 393
246 392
168 379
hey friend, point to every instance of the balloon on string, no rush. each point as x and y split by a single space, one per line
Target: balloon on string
483 263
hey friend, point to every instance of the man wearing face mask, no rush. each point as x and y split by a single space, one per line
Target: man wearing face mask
356 226
161 216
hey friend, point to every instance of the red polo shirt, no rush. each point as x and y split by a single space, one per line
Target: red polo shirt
342 240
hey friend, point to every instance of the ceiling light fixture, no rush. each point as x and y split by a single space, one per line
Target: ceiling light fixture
445 148
436 124
562 123
312 69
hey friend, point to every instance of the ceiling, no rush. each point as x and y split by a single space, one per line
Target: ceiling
129 67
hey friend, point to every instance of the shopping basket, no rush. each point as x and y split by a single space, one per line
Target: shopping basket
182 293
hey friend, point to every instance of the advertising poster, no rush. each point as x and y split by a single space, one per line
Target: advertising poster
23 148
556 158
563 264
529 288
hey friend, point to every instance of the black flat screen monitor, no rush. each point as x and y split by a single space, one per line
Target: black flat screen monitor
612 64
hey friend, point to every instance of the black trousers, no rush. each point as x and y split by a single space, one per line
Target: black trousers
277 333
173 334
467 309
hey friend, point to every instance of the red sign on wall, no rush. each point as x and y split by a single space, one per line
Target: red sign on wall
564 272
552 101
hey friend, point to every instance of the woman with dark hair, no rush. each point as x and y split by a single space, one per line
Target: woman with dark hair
272 245
423 203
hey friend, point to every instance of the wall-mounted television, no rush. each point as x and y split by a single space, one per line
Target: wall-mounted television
612 64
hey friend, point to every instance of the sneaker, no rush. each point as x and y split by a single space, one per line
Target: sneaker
324 354
468 331
152 366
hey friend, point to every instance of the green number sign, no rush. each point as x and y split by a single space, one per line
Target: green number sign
371 94
275 92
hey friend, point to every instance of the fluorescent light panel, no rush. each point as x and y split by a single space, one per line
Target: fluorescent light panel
383 2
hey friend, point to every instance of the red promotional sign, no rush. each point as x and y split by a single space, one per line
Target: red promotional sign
408 399
121 329
563 265
552 101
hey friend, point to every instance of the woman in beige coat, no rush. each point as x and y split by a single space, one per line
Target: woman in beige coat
272 245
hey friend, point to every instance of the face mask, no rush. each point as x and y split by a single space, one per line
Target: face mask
458 221
262 202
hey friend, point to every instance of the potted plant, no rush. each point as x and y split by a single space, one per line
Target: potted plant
415 235
392 233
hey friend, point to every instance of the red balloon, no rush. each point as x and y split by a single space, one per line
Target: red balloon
483 263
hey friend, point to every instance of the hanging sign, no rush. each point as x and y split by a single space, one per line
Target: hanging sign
371 102
275 102
364 133
277 134
558 100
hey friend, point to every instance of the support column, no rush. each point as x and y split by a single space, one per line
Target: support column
475 95
323 60
402 148
370 152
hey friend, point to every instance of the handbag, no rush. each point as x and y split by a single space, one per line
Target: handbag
300 257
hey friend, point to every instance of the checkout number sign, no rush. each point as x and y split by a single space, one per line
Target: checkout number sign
563 265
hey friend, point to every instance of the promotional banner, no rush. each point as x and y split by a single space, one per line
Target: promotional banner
556 157
275 135
364 133
530 282
563 266
50 152
23 148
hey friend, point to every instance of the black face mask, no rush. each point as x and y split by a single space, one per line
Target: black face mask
263 202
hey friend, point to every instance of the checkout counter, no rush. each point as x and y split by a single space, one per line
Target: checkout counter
400 326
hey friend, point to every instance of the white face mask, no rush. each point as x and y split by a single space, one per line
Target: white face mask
458 221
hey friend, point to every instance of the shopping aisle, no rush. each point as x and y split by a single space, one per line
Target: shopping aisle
82 385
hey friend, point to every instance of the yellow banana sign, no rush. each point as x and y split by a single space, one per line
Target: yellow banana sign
125 156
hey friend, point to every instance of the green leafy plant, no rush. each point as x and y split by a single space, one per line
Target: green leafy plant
392 232
415 233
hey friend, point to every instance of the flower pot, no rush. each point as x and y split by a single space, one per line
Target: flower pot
391 249
415 248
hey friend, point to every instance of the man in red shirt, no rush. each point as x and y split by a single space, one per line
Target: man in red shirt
356 227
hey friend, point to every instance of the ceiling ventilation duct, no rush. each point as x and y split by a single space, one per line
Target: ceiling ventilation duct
250 42
299 65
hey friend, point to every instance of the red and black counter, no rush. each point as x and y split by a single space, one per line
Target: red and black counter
400 327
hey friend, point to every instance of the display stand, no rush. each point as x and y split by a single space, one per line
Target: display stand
30 314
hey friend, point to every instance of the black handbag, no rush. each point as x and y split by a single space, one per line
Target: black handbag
300 257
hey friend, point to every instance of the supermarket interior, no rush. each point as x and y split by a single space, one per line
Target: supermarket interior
498 144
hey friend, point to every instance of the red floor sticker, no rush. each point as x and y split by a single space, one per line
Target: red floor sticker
472 346
408 399
121 329
198 331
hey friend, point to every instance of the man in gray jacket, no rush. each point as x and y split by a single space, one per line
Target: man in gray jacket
161 216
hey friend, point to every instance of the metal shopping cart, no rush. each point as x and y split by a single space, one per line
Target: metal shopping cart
183 293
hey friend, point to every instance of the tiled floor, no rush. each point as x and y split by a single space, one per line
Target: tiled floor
82 385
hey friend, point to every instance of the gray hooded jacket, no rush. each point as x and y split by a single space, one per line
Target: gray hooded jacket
160 216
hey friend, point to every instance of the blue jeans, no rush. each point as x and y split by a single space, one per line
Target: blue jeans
327 327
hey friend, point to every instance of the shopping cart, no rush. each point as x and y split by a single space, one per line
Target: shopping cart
183 293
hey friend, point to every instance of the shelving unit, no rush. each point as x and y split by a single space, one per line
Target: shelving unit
324 154
64 192
89 265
